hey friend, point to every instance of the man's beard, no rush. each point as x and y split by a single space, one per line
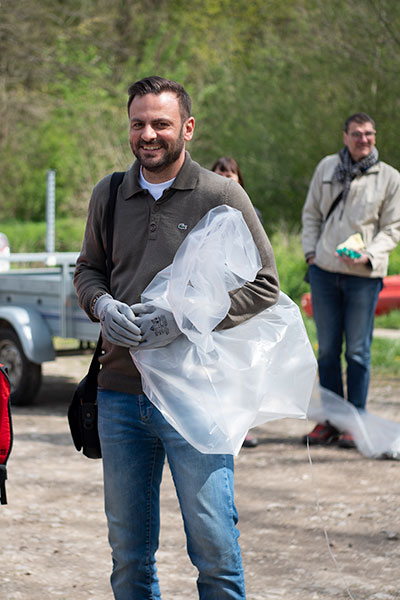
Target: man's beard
171 155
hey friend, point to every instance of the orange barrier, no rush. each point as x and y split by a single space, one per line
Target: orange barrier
388 299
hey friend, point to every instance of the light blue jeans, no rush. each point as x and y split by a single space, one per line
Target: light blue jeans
344 306
135 438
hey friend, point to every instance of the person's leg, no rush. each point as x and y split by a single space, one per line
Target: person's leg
327 304
361 296
133 459
204 485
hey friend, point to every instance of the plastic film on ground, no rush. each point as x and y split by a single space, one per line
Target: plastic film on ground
374 436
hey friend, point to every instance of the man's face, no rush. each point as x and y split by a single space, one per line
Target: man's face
157 134
359 139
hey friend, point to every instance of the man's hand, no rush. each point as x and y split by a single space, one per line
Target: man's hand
118 322
158 326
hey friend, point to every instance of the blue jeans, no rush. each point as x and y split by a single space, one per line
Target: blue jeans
135 438
344 305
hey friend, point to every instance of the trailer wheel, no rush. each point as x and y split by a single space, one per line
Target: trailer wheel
25 376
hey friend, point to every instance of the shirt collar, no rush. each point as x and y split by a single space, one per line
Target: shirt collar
185 180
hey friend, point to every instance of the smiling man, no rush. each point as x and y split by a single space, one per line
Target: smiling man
162 197
351 193
159 128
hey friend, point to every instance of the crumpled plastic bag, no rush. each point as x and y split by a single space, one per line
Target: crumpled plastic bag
212 386
374 436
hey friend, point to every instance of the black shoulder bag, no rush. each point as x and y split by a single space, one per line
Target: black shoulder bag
330 211
82 412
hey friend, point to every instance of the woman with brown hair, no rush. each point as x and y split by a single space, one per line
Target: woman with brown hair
228 167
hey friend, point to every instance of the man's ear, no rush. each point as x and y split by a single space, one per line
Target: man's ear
188 129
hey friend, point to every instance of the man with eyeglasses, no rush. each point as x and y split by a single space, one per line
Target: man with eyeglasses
351 222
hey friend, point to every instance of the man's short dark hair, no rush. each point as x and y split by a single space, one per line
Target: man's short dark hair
360 118
158 85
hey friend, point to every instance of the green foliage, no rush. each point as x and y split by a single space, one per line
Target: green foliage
394 262
47 146
25 237
290 263
312 332
69 234
272 83
31 236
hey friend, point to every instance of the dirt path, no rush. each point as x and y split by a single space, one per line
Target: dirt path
53 531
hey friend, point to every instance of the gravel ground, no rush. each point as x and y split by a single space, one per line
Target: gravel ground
323 532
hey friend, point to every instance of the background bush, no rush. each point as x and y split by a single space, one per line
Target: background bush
31 237
272 83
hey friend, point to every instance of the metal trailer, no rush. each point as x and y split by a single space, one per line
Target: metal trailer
36 305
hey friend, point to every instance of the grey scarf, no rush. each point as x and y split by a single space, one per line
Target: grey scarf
346 169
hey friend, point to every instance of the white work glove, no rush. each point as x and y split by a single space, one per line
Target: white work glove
158 326
118 323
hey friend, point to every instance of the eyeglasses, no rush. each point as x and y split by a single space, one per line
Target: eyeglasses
360 134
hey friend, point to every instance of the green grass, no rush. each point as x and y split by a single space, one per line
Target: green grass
385 357
389 321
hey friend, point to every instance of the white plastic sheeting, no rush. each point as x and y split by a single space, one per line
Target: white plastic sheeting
374 436
213 386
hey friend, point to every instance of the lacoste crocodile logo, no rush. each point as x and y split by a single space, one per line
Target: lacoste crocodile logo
182 226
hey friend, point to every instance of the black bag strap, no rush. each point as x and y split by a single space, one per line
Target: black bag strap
91 378
334 205
116 180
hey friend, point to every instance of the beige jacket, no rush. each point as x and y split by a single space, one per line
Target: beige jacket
371 208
